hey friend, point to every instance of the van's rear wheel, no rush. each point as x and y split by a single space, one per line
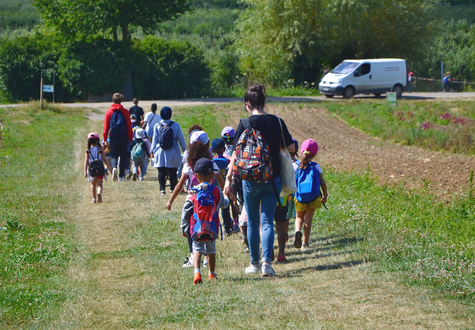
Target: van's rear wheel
398 89
349 92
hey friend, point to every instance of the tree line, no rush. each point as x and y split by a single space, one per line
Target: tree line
175 49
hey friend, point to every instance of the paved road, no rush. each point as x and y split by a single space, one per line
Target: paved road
203 101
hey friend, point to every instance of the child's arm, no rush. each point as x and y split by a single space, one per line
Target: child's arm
104 159
176 191
86 162
229 176
323 184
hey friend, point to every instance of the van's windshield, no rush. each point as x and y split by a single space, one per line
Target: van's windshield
345 67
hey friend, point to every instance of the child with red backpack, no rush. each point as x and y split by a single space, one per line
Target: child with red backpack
308 197
200 220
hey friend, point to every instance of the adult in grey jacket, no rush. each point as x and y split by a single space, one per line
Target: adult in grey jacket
167 161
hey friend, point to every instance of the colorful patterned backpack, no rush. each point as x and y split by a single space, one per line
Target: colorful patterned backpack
205 221
253 161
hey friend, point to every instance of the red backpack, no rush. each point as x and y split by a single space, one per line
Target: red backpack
253 161
204 226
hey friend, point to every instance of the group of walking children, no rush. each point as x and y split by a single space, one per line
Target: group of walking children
237 175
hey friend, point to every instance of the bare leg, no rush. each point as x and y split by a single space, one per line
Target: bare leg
212 262
281 236
99 190
299 220
308 217
197 259
287 230
93 190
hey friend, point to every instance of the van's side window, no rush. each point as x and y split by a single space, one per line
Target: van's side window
365 69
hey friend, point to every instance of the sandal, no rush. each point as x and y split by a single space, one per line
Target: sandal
93 201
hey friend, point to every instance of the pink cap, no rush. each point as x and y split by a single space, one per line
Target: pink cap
309 147
93 135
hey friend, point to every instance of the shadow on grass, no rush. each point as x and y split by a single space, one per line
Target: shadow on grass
319 256
320 268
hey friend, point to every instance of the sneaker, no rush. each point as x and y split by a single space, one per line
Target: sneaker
141 178
298 239
267 270
281 258
197 278
114 175
188 262
129 175
162 193
205 262
252 269
134 177
121 179
212 277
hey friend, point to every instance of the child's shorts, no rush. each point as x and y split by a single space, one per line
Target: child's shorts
316 204
291 211
204 247
280 214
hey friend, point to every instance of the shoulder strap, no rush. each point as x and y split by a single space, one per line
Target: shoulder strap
171 123
246 122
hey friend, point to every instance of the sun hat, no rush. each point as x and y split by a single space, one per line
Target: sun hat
139 133
93 135
309 147
217 143
166 113
203 165
199 136
228 130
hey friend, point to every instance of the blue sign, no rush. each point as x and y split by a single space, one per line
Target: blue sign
48 88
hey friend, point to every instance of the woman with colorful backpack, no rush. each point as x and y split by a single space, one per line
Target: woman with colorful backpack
167 141
256 161
308 198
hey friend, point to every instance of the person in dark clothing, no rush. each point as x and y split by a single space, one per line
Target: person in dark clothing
137 111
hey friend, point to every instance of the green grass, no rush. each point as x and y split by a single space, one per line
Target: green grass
428 242
237 91
443 126
206 116
34 166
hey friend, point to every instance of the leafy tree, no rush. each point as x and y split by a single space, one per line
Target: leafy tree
275 35
80 19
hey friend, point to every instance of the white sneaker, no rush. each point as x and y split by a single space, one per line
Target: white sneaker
205 262
188 263
141 178
162 193
114 175
129 175
267 270
252 269
121 179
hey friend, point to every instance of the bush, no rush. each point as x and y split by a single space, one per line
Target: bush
174 69
21 61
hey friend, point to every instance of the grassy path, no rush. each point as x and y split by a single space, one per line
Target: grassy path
127 274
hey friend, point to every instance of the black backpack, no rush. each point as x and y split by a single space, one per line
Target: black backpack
96 165
166 138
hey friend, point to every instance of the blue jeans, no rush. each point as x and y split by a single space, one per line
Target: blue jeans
260 201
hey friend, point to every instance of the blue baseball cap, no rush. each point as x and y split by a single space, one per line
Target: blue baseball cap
217 143
204 165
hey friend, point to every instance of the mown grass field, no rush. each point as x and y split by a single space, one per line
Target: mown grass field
381 256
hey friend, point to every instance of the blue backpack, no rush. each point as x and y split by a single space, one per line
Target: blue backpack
222 164
118 123
308 183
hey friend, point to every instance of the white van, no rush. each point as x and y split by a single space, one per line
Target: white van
373 76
